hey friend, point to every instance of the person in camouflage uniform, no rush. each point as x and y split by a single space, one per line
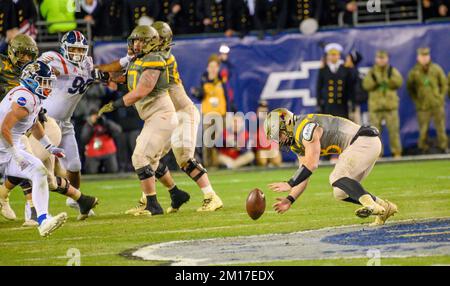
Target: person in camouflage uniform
382 83
427 87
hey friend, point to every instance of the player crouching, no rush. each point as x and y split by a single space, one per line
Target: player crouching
18 114
317 135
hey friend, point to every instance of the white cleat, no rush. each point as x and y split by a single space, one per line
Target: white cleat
5 209
51 224
74 205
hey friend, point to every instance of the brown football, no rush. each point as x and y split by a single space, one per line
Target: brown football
256 204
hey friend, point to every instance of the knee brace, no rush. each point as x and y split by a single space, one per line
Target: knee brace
145 172
63 186
351 187
192 165
161 170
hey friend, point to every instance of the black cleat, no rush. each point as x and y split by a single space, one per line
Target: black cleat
86 203
178 198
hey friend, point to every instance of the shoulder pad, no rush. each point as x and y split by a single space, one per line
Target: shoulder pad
49 57
308 131
151 61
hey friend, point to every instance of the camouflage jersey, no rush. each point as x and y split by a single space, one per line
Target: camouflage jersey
172 66
135 70
9 76
178 95
337 133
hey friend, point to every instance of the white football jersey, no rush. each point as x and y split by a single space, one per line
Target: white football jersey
72 83
23 97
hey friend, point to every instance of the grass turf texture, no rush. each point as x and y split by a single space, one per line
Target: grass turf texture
421 190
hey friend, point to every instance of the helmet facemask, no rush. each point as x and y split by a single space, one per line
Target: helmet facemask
45 86
74 47
23 57
279 127
76 53
22 50
38 78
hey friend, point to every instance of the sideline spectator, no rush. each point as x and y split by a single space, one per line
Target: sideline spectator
270 14
239 16
334 84
183 17
226 73
8 23
267 151
427 87
360 114
26 15
300 10
134 10
235 154
382 83
97 13
214 101
57 16
212 15
97 134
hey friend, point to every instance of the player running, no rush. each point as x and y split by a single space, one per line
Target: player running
148 81
184 136
18 114
316 135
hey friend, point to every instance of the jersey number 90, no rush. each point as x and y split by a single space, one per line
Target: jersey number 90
79 86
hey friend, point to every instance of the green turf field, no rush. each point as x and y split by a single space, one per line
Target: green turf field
421 190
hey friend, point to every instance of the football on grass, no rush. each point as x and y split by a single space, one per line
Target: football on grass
256 204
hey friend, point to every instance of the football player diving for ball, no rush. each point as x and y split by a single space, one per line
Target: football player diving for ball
316 135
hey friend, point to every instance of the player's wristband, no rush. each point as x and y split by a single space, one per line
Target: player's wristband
300 175
45 141
291 199
119 103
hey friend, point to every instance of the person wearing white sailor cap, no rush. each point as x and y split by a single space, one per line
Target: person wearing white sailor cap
334 83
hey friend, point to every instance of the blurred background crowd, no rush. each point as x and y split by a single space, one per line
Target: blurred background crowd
116 18
106 143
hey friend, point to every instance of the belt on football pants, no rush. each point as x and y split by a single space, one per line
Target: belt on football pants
365 131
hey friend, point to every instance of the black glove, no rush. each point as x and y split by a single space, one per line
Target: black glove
41 115
99 75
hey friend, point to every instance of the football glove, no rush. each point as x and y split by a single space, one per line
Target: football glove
99 75
109 107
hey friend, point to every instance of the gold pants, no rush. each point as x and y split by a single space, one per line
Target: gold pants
356 162
151 144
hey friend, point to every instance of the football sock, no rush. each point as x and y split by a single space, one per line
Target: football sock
208 190
174 189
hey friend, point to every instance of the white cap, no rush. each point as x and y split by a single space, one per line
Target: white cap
333 46
224 49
